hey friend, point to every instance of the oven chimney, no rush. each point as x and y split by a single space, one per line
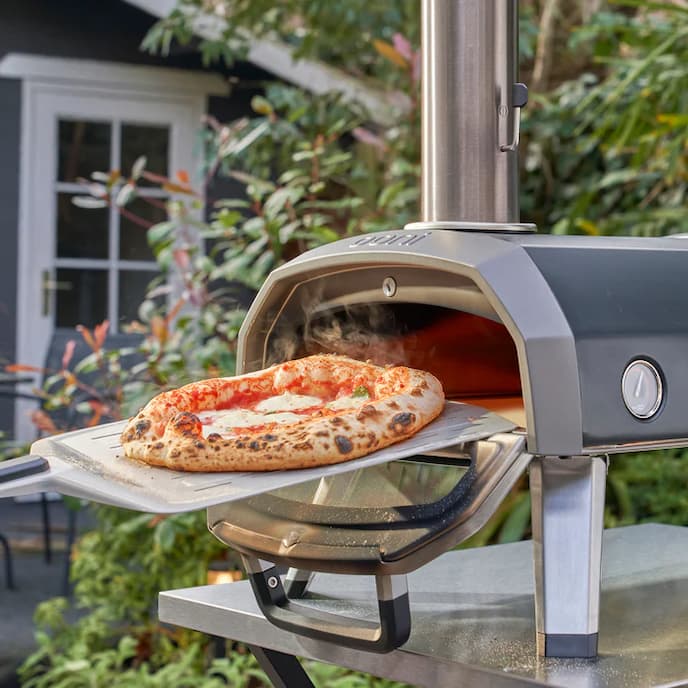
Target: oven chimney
470 115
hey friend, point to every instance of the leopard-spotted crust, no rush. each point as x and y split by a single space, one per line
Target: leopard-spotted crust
167 432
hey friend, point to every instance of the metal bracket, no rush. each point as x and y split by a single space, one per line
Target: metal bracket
392 630
519 99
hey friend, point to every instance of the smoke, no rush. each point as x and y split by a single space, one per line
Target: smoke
367 332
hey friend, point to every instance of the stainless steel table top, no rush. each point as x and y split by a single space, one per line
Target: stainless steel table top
473 618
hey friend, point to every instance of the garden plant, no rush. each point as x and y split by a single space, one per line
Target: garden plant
605 151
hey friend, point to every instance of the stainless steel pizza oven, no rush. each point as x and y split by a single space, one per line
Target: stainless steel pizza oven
554 352
577 344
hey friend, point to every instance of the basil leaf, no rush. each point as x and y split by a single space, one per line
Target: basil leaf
361 391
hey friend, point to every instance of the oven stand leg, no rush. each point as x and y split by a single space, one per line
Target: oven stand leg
284 671
568 518
9 570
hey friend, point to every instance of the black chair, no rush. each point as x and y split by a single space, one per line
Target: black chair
67 418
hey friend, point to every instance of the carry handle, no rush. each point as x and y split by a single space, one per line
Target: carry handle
13 469
392 630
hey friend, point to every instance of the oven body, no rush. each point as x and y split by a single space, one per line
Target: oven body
578 310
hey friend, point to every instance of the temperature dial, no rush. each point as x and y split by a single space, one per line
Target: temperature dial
642 389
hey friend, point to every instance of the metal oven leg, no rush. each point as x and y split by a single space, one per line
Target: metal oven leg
568 519
284 671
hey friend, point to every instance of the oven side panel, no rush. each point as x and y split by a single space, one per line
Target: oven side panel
624 301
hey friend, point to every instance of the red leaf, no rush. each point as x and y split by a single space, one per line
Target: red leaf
43 422
159 328
20 368
100 332
88 337
68 353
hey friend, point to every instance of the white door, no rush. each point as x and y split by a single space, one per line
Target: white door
82 266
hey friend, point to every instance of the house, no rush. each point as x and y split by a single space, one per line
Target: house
77 95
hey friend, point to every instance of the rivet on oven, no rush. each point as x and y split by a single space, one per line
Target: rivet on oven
389 287
272 582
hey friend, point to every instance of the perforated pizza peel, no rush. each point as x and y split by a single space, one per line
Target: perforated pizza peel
90 464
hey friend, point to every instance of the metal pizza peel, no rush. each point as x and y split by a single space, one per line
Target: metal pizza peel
90 464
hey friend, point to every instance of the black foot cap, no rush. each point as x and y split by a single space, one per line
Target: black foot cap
565 645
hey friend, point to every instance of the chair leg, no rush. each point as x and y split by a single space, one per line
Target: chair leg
71 537
47 544
9 571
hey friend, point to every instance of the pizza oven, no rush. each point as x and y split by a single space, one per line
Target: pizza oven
554 353
557 337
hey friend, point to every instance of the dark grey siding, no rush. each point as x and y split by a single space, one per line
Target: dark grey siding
10 117
104 30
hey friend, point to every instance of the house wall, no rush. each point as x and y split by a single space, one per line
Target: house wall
10 113
73 28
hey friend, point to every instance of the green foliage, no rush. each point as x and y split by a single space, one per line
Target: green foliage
603 154
648 487
607 155
341 33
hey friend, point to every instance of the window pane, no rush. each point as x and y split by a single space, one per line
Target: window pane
151 141
133 242
81 297
84 147
81 232
133 285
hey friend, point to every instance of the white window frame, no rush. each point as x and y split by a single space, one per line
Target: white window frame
41 77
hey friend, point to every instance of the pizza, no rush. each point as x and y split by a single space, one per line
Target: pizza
314 411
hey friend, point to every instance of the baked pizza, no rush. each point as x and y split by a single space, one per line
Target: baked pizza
313 411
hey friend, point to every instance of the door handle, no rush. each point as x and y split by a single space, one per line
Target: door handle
48 286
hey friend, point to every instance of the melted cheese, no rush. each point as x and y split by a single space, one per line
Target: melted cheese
288 402
348 402
223 422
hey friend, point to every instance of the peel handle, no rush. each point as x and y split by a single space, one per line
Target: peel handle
13 469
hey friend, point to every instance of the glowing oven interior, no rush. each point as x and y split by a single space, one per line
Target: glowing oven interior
436 321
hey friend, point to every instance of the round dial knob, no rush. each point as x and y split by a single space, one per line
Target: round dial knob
642 389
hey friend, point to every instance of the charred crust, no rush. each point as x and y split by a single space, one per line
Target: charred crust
269 438
200 445
401 421
417 392
214 437
322 433
141 426
303 446
186 423
366 412
158 445
175 453
344 444
393 405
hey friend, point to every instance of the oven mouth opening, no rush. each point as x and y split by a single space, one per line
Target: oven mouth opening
473 356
